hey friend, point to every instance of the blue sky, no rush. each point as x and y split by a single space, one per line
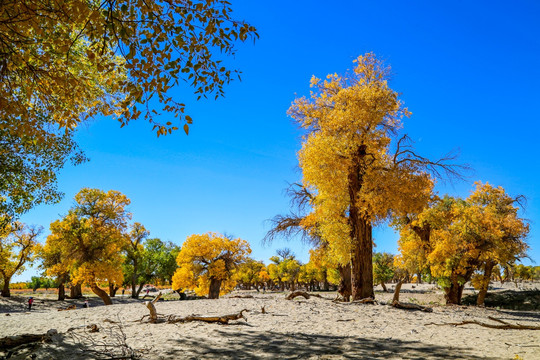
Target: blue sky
468 71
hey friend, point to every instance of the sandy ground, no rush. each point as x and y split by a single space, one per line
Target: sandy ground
315 328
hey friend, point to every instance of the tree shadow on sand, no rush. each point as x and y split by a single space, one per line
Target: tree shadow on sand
270 345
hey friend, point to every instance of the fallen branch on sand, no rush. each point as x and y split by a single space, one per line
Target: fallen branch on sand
505 325
71 307
9 342
241 297
303 294
173 319
406 306
221 319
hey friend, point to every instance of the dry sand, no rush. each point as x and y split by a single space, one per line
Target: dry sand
306 329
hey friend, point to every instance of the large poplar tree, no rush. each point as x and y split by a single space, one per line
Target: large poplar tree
352 160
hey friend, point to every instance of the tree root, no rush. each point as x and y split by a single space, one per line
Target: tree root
223 319
504 326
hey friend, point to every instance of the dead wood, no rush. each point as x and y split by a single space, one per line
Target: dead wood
409 306
302 293
241 297
223 319
70 307
263 310
152 308
505 325
396 292
364 301
9 342
92 328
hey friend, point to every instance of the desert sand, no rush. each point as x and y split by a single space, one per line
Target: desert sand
314 328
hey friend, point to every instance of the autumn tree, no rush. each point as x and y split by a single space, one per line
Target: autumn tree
206 263
134 257
383 268
91 238
499 230
117 56
358 170
18 247
467 237
249 273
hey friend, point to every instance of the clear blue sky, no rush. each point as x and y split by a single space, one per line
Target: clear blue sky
469 72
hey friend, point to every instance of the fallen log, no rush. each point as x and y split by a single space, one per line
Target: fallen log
504 325
222 319
9 342
70 307
152 308
410 306
241 297
304 294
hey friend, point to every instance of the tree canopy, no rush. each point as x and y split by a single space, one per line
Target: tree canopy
206 263
117 56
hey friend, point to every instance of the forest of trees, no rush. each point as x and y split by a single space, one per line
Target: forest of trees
359 170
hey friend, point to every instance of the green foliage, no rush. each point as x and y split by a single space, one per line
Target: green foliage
383 267
29 167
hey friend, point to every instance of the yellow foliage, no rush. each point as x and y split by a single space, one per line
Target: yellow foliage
208 257
351 121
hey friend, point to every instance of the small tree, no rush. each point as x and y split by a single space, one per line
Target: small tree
206 263
18 247
383 268
91 239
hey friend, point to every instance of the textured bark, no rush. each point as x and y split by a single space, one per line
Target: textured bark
361 232
101 293
345 289
75 292
113 289
61 292
488 269
453 293
5 290
362 261
215 286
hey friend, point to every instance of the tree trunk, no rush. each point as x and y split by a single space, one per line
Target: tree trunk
215 286
384 286
361 232
75 292
101 293
488 268
61 292
5 290
345 288
362 260
418 278
454 292
138 291
113 289
326 284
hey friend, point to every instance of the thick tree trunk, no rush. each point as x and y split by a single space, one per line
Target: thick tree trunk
362 260
418 278
488 269
5 290
215 286
101 293
345 285
75 292
61 292
361 236
454 292
326 284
